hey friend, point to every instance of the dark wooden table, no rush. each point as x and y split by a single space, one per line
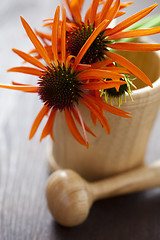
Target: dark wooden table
23 166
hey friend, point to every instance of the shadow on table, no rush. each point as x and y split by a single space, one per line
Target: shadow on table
135 216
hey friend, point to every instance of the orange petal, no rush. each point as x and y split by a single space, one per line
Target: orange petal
94 118
97 19
125 4
48 24
105 9
130 66
38 120
29 59
113 11
81 2
82 124
73 129
119 14
77 118
131 20
48 129
82 67
97 95
47 19
40 49
75 10
49 51
135 33
98 73
35 90
87 16
93 108
44 35
142 47
20 84
102 85
69 27
107 107
69 60
55 29
24 88
89 42
102 63
69 7
94 7
63 37
117 69
26 70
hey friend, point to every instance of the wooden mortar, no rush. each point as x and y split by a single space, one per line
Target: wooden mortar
125 147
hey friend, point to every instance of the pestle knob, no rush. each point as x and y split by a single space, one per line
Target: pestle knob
70 197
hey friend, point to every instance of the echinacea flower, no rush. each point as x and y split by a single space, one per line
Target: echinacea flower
111 94
100 49
79 31
63 83
75 10
75 7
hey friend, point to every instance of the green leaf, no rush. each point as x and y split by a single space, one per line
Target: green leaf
149 22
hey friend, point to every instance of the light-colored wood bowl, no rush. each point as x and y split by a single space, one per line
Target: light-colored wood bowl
125 147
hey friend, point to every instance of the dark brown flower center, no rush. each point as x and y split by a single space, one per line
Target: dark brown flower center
112 92
59 87
77 38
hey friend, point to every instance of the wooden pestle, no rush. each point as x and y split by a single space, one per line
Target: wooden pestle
70 197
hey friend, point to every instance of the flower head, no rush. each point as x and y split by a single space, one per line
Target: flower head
111 39
79 30
109 11
63 83
108 40
77 38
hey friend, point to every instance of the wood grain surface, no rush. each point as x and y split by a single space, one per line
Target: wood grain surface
23 167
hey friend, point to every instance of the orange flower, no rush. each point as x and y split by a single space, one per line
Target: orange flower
105 41
75 7
79 31
64 83
109 11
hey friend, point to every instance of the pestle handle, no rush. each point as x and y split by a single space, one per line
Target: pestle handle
139 179
70 197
